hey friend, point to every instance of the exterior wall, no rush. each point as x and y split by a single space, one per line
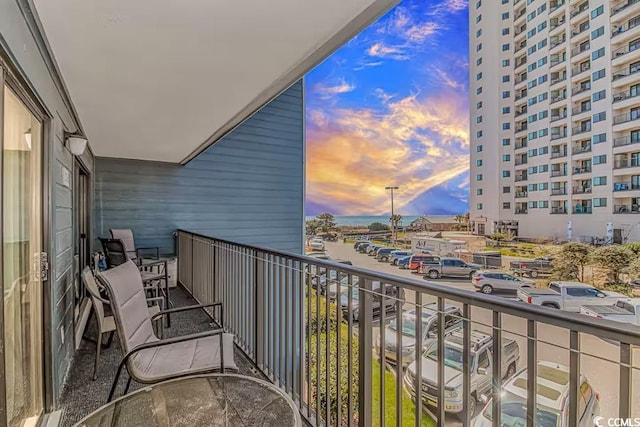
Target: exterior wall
573 103
248 187
25 55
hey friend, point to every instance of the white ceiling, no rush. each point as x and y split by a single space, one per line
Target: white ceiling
161 79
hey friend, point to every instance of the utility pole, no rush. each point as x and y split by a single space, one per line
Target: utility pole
393 222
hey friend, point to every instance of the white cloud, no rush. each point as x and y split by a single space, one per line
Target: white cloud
328 91
381 50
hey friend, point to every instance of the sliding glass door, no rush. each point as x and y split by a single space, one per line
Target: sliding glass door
22 222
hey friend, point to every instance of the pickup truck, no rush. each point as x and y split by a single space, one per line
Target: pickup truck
625 311
532 268
568 296
450 267
481 370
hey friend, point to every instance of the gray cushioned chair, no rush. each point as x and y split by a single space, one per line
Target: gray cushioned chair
126 235
149 359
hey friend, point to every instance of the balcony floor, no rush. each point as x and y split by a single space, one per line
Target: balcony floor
82 396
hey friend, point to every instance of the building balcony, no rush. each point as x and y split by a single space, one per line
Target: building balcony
520 211
519 113
556 136
521 194
621 33
520 178
575 71
556 173
521 78
578 11
556 117
581 169
558 210
521 95
578 32
557 98
581 209
557 80
625 54
520 128
626 209
580 49
625 186
557 42
622 76
626 163
555 62
580 130
626 99
559 154
581 149
581 190
519 162
580 89
581 109
558 191
621 9
623 141
626 118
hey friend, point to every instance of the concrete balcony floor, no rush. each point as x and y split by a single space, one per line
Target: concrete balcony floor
81 395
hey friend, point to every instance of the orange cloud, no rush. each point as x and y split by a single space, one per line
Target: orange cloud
416 144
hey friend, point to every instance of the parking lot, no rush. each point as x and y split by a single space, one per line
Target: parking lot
599 359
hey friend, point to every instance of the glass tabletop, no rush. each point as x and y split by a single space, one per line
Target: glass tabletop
204 400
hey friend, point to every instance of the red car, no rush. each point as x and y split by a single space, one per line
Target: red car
417 260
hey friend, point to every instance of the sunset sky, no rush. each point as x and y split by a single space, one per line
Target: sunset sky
391 108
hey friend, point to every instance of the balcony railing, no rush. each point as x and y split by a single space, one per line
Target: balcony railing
520 178
559 173
626 209
520 211
580 129
520 145
578 11
625 140
521 128
580 69
621 96
625 186
624 50
624 28
559 154
581 209
558 80
581 169
581 109
580 89
557 42
558 191
620 74
579 31
555 136
521 161
521 194
521 95
320 343
626 163
557 61
581 190
578 50
556 117
622 6
557 98
558 210
627 117
521 78
581 149
520 112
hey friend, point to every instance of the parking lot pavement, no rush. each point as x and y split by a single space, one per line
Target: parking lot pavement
598 360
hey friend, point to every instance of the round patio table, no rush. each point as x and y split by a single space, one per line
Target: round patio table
202 400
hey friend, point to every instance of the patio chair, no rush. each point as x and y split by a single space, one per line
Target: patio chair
107 324
149 359
126 235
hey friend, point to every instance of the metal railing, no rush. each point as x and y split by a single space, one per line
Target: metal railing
559 191
558 210
621 141
624 72
621 96
559 154
580 69
581 209
627 117
619 7
555 173
581 149
626 209
621 29
309 326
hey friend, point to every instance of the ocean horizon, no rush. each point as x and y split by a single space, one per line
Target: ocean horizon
365 220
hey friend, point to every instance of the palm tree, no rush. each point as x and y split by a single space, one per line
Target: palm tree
395 220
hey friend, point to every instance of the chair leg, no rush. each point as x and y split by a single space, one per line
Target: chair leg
115 380
126 389
98 348
110 339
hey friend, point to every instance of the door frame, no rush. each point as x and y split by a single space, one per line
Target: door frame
21 89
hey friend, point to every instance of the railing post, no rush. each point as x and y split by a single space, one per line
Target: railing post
365 377
626 375
574 377
259 304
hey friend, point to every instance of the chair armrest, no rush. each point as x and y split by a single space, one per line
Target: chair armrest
161 263
156 249
189 307
173 340
159 300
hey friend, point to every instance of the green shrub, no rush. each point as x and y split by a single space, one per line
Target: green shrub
319 325
614 259
633 247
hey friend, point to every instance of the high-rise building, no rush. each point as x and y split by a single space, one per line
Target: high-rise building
555 118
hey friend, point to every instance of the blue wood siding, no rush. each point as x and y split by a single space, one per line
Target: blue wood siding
247 187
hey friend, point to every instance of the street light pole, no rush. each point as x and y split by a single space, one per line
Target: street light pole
393 222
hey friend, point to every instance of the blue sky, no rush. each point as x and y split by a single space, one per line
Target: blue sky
391 108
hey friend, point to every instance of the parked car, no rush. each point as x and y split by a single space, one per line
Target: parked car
532 268
316 244
362 248
319 255
568 296
481 370
489 281
403 263
395 256
427 263
452 322
625 311
552 399
375 251
416 260
359 243
390 303
450 267
383 254
371 248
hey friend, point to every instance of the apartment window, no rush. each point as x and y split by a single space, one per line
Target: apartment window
478 4
531 67
479 177
532 118
478 162
599 160
601 137
531 50
479 90
543 132
599 202
506 205
599 74
597 54
532 84
602 94
543 204
543 96
479 134
542 79
478 61
478 191
532 205
506 174
600 180
532 170
542 43
479 149
543 168
543 114
532 135
506 141
505 15
531 16
505 1
506 157
505 31
505 47
506 110
478 18
542 26
506 94
597 11
542 61
506 126
479 32
505 62
531 33
541 8
532 153
532 101
599 117
479 119
543 150
479 206
479 47
506 190
479 105
597 33
543 186
506 79
532 187
479 76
